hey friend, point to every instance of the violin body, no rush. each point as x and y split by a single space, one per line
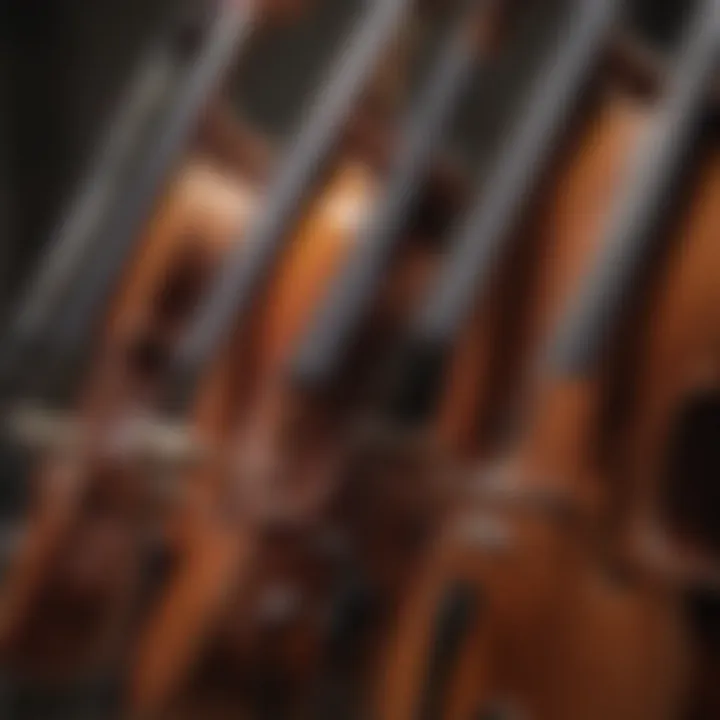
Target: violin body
582 185
71 540
260 542
522 563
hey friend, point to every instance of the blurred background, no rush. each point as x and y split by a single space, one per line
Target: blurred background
63 64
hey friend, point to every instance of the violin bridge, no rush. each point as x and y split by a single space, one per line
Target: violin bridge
41 429
137 440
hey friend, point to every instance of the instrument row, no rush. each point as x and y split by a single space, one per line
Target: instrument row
337 428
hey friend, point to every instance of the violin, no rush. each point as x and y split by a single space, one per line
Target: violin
109 301
522 608
95 507
289 447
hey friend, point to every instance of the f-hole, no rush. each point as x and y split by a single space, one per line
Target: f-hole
176 296
691 489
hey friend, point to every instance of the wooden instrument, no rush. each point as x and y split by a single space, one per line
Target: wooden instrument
311 429
107 466
54 338
519 610
287 451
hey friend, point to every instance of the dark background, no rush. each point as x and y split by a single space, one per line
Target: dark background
63 63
